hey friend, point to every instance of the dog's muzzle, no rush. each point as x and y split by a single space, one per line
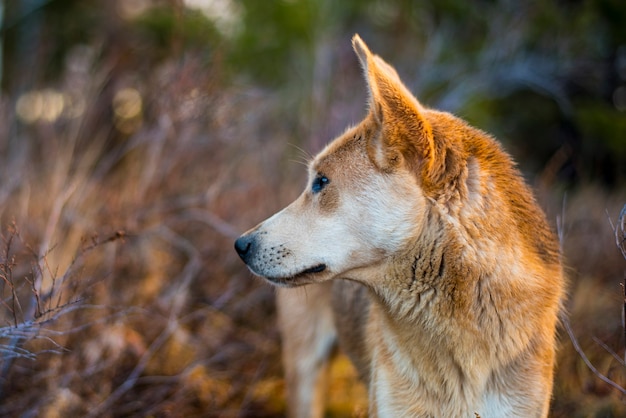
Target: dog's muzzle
247 246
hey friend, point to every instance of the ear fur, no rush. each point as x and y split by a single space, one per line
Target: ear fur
403 133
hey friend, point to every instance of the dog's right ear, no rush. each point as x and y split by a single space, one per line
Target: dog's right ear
403 134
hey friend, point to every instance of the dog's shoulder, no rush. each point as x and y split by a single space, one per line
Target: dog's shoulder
474 172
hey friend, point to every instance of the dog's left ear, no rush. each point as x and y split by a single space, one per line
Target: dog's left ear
403 134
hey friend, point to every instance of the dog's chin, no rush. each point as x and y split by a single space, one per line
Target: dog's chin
307 276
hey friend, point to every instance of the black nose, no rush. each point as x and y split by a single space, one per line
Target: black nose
243 244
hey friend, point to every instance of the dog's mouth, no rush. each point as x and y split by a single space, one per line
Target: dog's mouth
300 278
317 269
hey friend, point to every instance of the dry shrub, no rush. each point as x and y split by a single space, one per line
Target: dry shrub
125 236
596 270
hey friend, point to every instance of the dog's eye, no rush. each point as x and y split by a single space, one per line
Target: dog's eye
319 183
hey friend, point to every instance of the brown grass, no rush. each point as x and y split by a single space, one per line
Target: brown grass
126 240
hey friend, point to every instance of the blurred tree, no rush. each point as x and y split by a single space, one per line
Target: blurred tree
548 77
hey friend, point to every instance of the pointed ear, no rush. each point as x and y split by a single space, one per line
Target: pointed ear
404 135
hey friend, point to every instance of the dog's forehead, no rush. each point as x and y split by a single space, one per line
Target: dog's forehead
346 152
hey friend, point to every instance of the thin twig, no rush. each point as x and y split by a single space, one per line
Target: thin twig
620 231
609 350
620 240
582 355
621 243
212 220
131 380
624 314
6 270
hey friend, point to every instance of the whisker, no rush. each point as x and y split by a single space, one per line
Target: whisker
302 153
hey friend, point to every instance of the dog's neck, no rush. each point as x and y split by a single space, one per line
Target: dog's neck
433 284
421 273
452 274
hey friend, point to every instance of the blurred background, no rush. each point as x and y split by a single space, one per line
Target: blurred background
138 138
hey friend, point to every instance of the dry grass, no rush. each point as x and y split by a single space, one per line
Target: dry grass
121 293
596 271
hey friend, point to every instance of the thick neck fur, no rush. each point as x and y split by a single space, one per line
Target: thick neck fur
421 272
411 343
468 264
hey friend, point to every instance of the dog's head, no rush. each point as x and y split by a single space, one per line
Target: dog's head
366 197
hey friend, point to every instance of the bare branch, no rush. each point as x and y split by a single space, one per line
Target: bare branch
620 240
609 350
620 231
131 380
582 355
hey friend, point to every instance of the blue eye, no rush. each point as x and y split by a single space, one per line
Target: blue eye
319 183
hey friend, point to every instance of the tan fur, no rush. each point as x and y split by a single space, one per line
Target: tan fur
433 267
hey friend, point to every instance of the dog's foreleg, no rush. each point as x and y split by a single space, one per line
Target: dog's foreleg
309 336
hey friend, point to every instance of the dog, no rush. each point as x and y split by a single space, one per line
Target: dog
425 257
